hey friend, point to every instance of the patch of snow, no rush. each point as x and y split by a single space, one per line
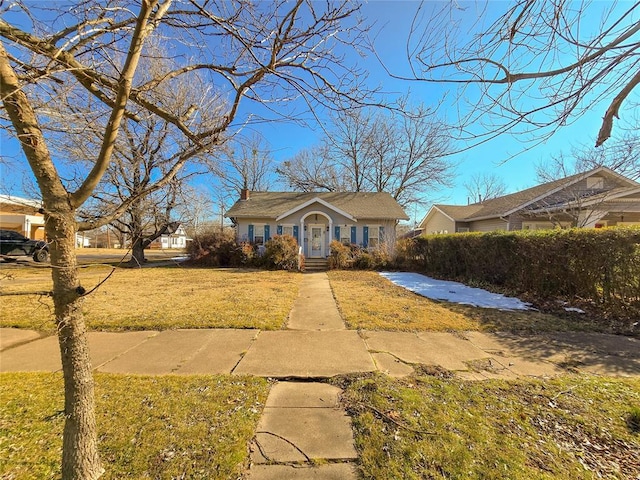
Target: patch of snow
180 258
454 291
573 309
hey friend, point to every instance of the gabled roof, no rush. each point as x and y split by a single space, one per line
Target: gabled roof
508 204
358 205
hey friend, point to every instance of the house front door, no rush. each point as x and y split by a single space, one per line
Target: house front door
317 242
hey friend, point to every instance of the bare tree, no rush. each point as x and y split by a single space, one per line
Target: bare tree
485 186
533 68
244 163
250 51
622 155
312 170
402 154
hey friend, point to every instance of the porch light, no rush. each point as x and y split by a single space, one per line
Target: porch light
327 228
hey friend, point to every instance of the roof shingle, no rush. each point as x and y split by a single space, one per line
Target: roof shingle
361 205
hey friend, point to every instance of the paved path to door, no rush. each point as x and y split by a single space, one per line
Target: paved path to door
302 426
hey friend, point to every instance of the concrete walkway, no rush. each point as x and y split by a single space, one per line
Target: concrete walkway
303 433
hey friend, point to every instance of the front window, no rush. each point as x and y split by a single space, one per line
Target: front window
374 237
345 235
287 230
258 234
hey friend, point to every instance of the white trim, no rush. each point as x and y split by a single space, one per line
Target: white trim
435 207
312 201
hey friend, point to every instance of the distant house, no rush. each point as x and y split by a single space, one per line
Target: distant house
315 219
594 199
22 215
175 240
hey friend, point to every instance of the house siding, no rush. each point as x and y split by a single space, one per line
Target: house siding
438 223
488 225
625 218
358 231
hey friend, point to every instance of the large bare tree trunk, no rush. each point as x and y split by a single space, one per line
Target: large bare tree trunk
80 460
137 252
80 450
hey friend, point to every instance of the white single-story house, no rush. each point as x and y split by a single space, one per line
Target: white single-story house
175 240
594 199
314 219
22 215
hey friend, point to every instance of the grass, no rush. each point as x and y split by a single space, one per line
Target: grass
149 427
157 298
369 301
426 427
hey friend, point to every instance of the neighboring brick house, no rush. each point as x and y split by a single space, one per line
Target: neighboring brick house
315 219
594 199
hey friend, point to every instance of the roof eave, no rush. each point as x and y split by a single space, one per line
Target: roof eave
311 202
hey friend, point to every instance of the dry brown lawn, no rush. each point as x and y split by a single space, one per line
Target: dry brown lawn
155 298
369 301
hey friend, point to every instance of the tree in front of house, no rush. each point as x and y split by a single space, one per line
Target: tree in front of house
89 52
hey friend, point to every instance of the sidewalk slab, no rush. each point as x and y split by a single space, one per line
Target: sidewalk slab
306 354
315 308
303 395
44 355
184 351
221 353
589 352
437 348
10 337
37 356
335 471
315 428
391 366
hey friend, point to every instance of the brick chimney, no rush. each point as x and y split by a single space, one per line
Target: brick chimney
244 194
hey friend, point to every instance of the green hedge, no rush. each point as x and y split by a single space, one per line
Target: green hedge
600 265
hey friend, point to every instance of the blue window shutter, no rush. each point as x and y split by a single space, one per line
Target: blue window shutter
381 235
251 233
295 233
365 237
279 229
336 232
266 233
353 235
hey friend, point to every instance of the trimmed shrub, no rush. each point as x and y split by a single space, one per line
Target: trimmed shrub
216 249
281 253
601 265
341 255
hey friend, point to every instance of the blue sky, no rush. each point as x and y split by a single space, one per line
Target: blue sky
392 20
510 156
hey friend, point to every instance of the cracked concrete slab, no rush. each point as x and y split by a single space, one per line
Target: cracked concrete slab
183 351
301 422
444 349
306 354
321 433
221 353
390 365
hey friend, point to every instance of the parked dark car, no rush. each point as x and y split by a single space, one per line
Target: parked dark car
14 244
